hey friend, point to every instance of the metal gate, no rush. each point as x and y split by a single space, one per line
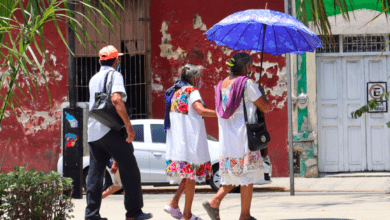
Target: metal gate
132 37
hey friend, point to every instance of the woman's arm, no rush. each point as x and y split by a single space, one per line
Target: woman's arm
262 102
202 111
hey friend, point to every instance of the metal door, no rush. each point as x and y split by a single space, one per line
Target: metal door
376 70
330 114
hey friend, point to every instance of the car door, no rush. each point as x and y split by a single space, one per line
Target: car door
157 153
141 152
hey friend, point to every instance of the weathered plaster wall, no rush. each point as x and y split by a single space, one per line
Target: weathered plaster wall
177 29
33 138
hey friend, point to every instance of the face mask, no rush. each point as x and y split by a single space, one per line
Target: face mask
117 67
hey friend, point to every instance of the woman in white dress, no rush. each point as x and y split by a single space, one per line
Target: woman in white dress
187 155
238 166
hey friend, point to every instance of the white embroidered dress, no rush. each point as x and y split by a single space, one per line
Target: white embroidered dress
187 154
237 164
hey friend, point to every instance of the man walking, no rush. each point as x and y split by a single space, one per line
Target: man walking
106 143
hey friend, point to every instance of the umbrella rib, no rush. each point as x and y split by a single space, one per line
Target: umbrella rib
276 47
292 38
228 33
215 31
305 39
241 35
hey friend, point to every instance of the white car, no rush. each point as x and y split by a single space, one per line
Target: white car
149 150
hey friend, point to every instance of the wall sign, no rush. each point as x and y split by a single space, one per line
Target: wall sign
374 91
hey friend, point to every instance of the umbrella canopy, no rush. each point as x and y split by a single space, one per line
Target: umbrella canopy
245 31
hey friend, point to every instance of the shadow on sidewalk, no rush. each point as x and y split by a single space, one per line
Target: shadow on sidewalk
317 219
208 190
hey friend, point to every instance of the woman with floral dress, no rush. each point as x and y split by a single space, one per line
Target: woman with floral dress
238 166
187 155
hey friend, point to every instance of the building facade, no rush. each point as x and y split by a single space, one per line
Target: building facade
336 80
158 37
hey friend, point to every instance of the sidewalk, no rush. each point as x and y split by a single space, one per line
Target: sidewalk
335 197
356 182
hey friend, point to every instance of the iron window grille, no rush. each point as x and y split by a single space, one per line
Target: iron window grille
132 37
330 46
363 43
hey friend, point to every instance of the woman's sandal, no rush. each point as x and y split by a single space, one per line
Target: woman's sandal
213 212
193 217
176 213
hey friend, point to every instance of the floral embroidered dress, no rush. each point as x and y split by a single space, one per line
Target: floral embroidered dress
237 164
187 152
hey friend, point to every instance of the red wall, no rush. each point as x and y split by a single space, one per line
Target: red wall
35 139
179 17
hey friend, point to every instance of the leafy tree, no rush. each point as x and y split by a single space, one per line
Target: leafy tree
23 41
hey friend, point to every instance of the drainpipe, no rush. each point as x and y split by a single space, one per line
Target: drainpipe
71 62
288 10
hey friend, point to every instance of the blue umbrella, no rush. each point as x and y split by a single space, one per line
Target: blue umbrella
263 30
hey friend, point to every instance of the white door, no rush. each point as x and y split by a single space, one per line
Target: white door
347 144
354 97
330 114
376 129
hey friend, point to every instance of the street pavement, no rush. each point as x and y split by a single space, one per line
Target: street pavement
333 197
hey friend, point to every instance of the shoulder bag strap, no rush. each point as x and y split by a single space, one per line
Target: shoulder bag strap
112 78
243 100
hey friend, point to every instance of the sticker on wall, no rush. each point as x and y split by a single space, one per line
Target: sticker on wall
71 140
72 120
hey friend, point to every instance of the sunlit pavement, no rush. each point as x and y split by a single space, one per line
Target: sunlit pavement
357 205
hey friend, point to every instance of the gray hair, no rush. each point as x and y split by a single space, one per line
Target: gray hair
190 71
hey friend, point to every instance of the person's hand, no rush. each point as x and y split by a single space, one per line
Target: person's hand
130 133
114 167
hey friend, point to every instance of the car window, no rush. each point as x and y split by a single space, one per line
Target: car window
139 133
158 133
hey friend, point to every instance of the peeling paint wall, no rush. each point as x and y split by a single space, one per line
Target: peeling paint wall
178 38
33 136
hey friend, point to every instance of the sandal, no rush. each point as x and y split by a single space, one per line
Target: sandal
193 217
213 212
176 213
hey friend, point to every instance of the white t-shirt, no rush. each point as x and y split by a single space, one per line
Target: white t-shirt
186 137
96 130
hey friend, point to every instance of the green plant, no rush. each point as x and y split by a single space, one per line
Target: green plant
370 106
22 42
34 195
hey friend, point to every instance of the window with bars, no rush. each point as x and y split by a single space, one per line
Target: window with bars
363 43
132 37
353 44
332 46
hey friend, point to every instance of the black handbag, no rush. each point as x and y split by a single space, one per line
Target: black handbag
258 136
103 110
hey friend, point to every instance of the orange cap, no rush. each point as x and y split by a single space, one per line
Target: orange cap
109 52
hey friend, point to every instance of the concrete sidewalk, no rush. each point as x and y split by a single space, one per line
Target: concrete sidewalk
369 182
339 196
